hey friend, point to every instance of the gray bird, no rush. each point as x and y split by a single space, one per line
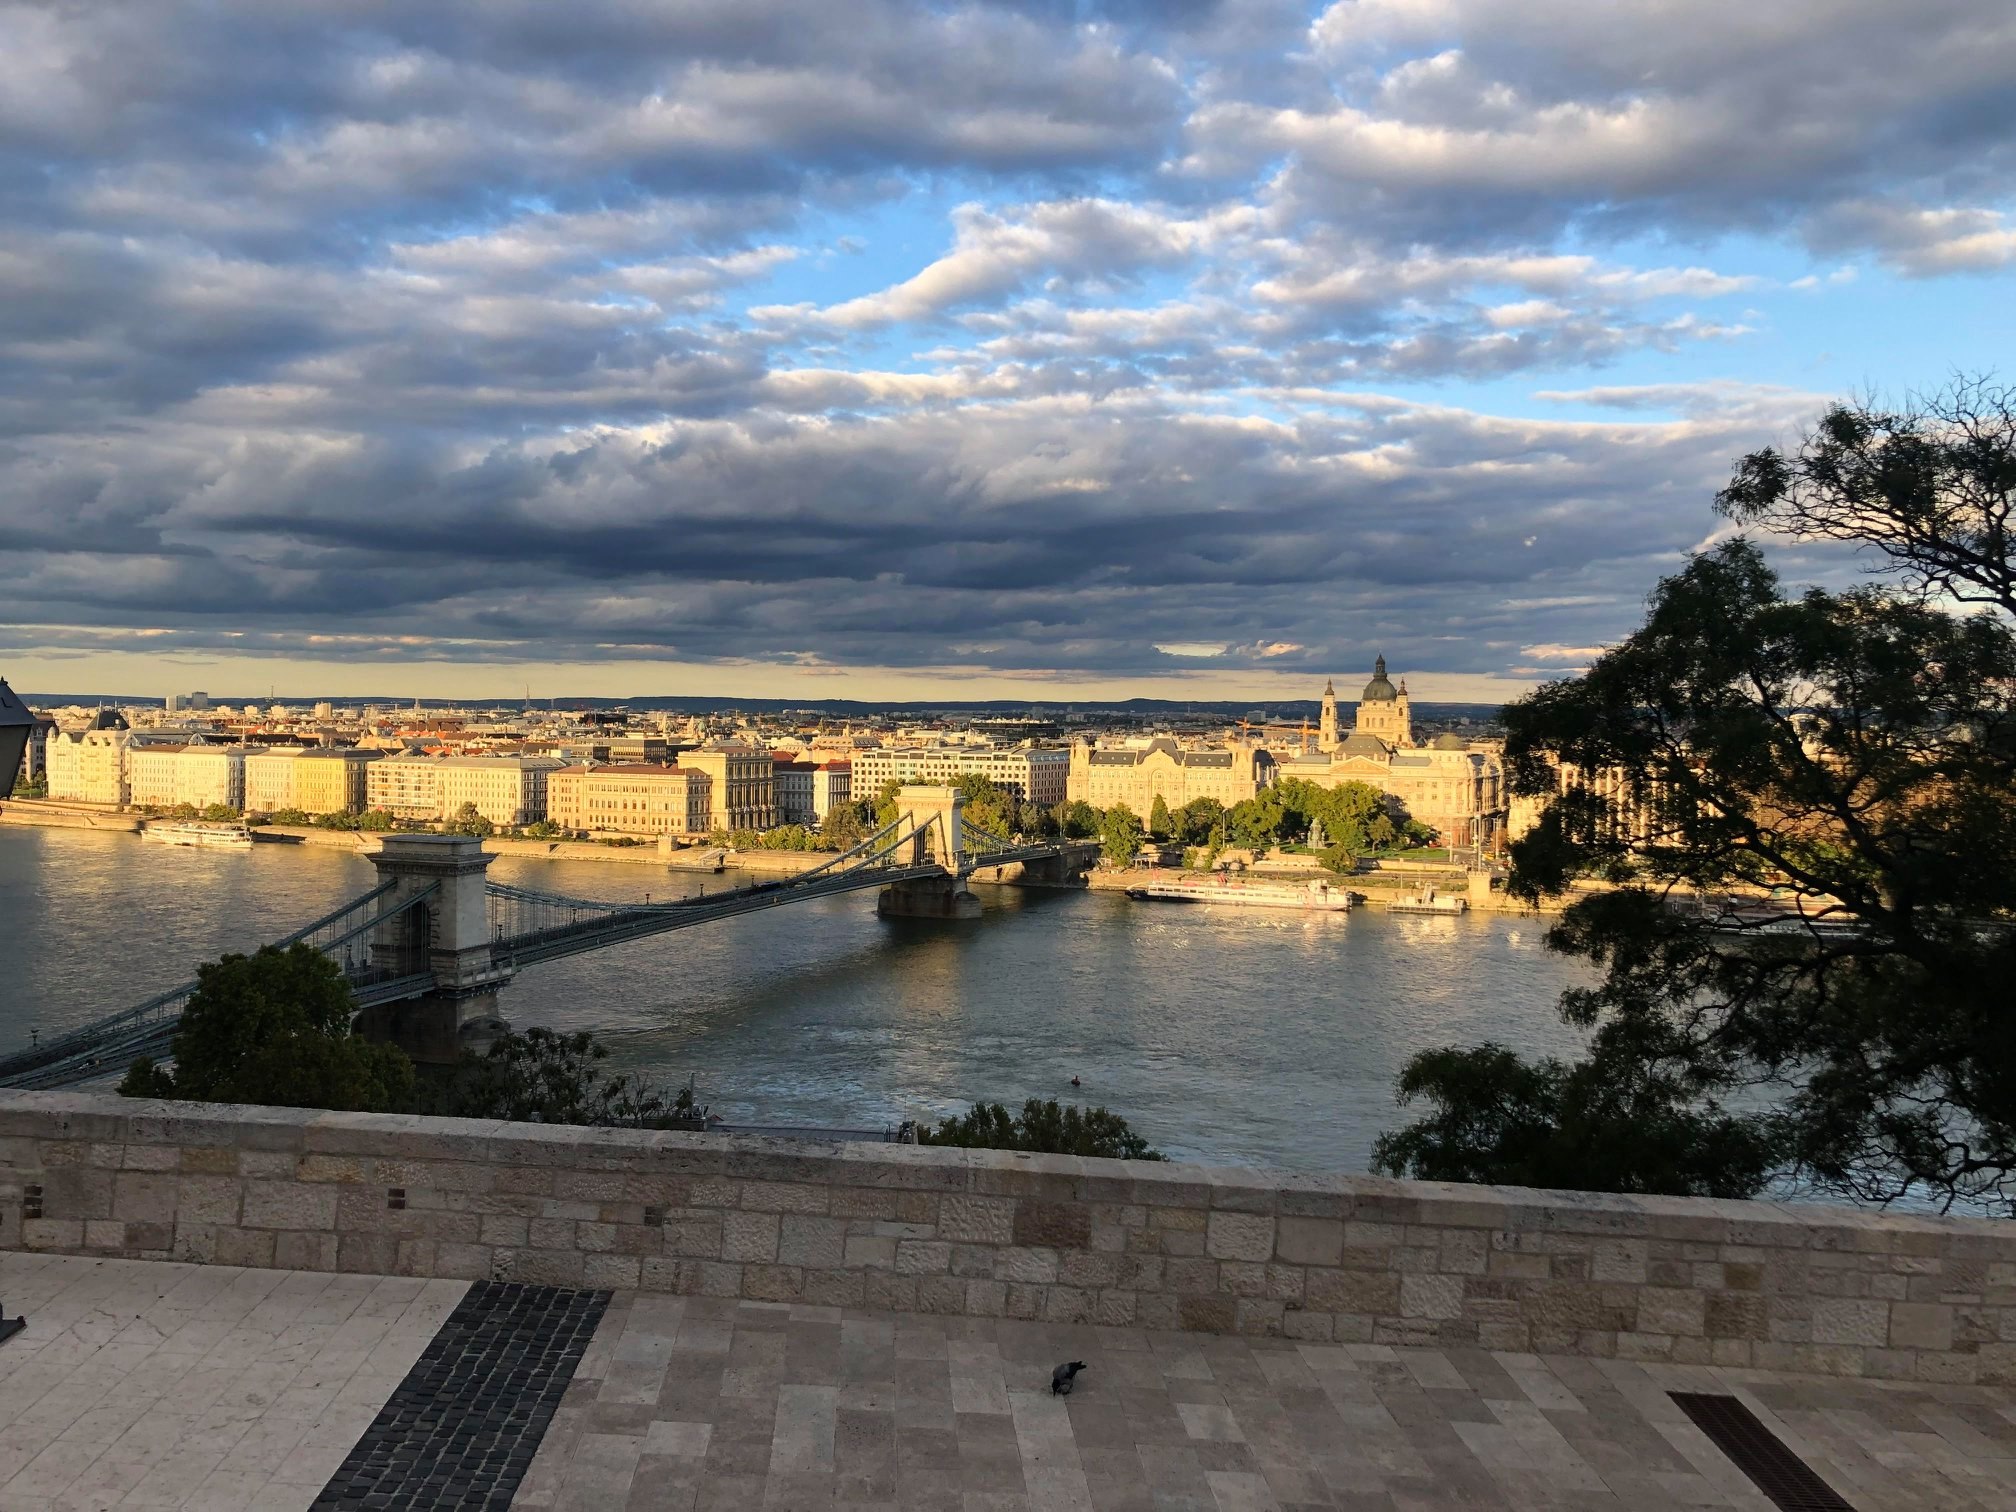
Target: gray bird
1064 1377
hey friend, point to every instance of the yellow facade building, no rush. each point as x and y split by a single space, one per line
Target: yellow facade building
313 780
506 790
635 799
169 775
739 781
1137 775
89 765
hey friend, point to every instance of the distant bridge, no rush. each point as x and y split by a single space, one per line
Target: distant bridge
427 950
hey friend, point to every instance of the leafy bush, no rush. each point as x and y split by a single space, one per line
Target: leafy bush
1043 1128
543 1077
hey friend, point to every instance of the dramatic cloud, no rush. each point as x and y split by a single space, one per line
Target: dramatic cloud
1076 341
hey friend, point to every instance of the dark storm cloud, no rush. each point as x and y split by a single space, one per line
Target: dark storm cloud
454 331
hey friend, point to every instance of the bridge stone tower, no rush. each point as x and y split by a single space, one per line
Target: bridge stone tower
938 815
448 936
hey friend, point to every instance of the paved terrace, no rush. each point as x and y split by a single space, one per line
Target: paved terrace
157 1384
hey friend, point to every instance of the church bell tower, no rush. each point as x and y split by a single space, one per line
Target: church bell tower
1327 738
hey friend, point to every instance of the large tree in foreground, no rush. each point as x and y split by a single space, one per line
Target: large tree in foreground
274 1027
1854 751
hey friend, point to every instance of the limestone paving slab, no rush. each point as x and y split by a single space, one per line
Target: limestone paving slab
149 1384
696 1404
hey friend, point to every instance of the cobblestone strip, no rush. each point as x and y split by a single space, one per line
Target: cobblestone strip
464 1424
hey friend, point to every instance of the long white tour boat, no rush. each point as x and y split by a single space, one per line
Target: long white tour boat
197 832
1312 897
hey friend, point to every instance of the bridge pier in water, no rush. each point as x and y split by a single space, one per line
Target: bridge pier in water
446 936
936 814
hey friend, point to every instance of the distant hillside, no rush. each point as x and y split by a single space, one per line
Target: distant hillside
1289 711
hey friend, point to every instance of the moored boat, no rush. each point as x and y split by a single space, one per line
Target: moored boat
197 832
1312 897
1427 900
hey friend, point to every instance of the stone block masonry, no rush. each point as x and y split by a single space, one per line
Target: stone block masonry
1346 1259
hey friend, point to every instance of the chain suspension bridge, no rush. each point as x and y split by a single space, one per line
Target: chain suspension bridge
436 939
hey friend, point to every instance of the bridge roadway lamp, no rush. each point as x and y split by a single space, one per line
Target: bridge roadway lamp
15 723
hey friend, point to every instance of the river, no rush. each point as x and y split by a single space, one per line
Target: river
1238 1037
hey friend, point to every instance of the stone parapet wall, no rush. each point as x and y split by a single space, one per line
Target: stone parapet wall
990 1234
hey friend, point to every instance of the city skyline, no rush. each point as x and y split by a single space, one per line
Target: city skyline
885 349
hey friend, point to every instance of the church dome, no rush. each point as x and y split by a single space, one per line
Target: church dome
1380 689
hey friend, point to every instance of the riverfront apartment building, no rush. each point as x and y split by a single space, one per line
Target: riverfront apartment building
87 764
507 790
406 785
315 781
165 775
832 785
741 785
1137 775
634 799
1035 774
791 789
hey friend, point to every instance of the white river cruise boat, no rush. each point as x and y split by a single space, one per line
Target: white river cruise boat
1312 897
197 832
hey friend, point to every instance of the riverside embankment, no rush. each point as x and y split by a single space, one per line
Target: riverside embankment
44 814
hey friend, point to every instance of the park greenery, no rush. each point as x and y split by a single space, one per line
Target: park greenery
1853 755
1042 1128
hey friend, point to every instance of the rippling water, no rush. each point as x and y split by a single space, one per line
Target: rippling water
1238 1037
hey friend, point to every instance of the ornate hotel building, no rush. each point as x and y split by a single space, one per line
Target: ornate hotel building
1137 775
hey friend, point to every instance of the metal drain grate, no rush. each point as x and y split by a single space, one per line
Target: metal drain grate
1779 1473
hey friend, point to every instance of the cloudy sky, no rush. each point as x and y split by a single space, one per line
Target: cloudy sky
875 348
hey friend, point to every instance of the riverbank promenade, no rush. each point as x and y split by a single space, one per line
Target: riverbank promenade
152 1384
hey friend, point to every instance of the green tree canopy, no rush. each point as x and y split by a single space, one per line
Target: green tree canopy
467 820
274 1028
989 807
1855 751
1044 1128
1119 835
1160 825
1193 823
847 824
1078 820
885 802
